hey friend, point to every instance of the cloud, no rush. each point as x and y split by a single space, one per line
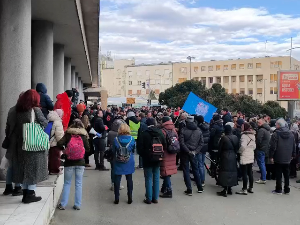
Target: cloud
169 30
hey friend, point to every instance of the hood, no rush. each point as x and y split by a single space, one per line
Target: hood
169 125
154 131
249 132
62 96
53 116
191 126
265 126
284 132
133 119
78 131
144 120
41 88
219 122
124 139
204 126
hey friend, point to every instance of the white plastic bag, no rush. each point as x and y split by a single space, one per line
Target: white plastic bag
4 163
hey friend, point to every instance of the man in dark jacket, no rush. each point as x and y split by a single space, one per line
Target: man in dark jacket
262 148
282 149
191 142
45 102
108 118
99 142
151 168
226 116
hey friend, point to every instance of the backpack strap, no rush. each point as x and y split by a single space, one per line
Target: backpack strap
129 142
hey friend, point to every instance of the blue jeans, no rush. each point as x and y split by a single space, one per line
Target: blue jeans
167 185
112 173
152 182
201 161
186 160
260 157
9 175
67 185
117 185
31 187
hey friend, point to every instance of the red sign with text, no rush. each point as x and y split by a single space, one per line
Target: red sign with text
289 85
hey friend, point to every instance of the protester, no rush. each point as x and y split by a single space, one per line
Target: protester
108 118
123 162
180 124
228 149
294 162
64 102
226 116
246 152
76 142
150 163
262 148
282 149
57 132
45 102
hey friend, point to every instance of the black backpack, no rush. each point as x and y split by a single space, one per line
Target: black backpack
173 146
122 153
157 150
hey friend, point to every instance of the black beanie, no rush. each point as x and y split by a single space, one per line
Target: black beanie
216 117
166 119
69 93
151 121
228 129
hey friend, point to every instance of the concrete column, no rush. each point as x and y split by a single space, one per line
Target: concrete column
42 55
254 87
79 88
15 56
76 80
67 72
222 81
214 80
229 85
73 85
237 84
207 82
246 85
58 70
104 97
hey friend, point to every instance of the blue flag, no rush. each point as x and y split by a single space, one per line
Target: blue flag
197 106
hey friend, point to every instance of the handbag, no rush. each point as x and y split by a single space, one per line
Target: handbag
34 137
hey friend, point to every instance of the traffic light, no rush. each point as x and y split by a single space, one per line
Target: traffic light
144 85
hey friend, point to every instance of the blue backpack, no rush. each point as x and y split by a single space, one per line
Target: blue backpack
48 129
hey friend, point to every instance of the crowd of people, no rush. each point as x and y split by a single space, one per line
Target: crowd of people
165 140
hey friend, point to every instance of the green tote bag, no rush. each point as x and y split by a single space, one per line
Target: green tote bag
34 137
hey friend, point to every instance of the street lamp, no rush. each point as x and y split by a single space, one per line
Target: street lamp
291 49
190 58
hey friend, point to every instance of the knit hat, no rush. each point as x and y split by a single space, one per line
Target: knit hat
247 126
130 114
59 112
216 117
240 122
190 119
151 121
166 119
80 108
228 129
69 93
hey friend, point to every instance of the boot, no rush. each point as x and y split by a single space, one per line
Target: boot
223 193
129 199
17 191
167 194
30 197
24 194
8 189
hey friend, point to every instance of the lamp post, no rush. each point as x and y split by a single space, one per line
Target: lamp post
291 49
190 58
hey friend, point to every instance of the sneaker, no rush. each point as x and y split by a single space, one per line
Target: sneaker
116 202
242 192
250 190
121 188
276 192
147 201
261 181
76 207
112 188
200 190
189 192
60 207
88 165
154 201
286 193
203 184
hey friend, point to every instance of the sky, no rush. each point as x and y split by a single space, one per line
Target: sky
154 31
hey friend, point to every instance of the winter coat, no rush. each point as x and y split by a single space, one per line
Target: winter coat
108 119
237 132
226 118
119 167
168 165
67 138
263 139
145 145
191 138
98 125
204 127
29 167
247 147
216 132
228 149
63 102
10 134
282 146
57 131
45 101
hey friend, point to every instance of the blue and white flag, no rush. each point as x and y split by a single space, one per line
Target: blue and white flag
197 106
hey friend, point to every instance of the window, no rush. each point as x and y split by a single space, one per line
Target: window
226 90
183 70
275 91
275 77
242 78
210 68
130 74
157 82
233 91
167 82
203 68
271 90
180 80
157 72
196 78
139 82
242 91
211 80
225 67
278 64
250 91
233 67
147 91
167 73
130 82
242 66
258 65
218 67
196 69
157 91
129 92
233 79
250 65
138 92
259 91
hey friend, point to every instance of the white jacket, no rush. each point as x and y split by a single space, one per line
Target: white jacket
247 148
57 131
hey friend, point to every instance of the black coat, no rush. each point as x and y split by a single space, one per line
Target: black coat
108 119
98 125
226 118
228 148
204 127
45 101
191 138
263 139
216 132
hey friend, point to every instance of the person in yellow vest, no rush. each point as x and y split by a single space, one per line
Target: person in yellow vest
134 125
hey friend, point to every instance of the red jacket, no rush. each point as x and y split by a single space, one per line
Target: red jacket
63 102
168 165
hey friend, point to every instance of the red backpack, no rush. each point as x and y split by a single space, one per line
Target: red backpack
75 148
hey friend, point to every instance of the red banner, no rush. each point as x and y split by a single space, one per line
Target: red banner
288 85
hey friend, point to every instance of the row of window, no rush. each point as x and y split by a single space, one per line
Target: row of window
139 92
163 73
259 91
152 82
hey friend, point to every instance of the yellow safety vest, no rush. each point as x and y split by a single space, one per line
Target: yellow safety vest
134 128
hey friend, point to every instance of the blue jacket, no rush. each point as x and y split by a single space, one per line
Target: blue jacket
45 102
124 168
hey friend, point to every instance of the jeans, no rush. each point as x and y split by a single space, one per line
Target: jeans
9 175
117 185
247 173
260 157
31 187
152 182
140 162
201 161
186 160
112 173
99 144
285 170
67 185
167 185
